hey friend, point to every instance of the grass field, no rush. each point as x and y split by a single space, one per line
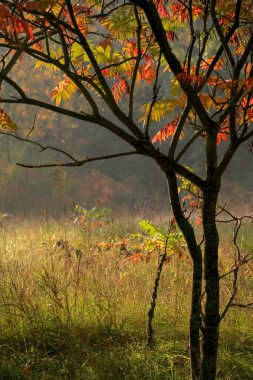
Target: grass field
78 310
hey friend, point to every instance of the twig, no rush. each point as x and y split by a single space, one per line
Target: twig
240 260
151 312
156 89
74 161
33 125
245 306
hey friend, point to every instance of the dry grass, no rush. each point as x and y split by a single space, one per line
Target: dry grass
70 311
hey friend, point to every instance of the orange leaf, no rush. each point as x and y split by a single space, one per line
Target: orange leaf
198 220
166 131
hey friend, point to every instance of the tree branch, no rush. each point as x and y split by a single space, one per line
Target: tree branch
76 163
137 63
110 99
220 34
156 25
179 129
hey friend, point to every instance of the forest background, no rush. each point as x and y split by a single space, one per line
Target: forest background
123 184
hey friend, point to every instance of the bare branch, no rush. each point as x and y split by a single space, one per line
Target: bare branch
33 125
74 162
188 145
178 132
154 99
241 305
42 147
95 119
77 163
240 259
220 34
151 312
137 63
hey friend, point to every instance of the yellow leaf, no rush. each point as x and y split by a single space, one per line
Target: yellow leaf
6 122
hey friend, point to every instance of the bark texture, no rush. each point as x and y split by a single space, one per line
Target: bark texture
203 359
211 274
196 256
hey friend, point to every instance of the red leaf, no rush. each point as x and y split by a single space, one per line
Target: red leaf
206 64
147 71
198 220
180 11
185 78
221 136
119 87
27 29
224 132
166 131
163 13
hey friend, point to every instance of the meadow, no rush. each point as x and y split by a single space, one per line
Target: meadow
74 304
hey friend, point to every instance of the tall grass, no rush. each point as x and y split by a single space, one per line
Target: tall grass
70 310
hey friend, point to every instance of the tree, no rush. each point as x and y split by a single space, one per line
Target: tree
105 50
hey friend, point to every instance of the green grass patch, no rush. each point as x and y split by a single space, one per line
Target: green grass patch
73 310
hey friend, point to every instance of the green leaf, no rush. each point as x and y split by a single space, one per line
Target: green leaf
122 23
78 53
160 109
151 229
56 55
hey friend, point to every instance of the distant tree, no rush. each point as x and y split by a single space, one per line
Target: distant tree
105 50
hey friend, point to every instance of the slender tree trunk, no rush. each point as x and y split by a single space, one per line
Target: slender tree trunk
196 255
211 274
195 318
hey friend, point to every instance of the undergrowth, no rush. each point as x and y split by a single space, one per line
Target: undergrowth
74 301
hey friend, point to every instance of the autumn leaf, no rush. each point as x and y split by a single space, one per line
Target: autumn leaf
119 88
166 131
64 90
198 220
160 109
6 122
39 5
162 10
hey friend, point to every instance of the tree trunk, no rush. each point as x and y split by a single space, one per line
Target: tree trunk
211 273
195 318
196 255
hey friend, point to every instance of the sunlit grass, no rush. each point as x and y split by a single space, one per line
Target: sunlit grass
76 312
